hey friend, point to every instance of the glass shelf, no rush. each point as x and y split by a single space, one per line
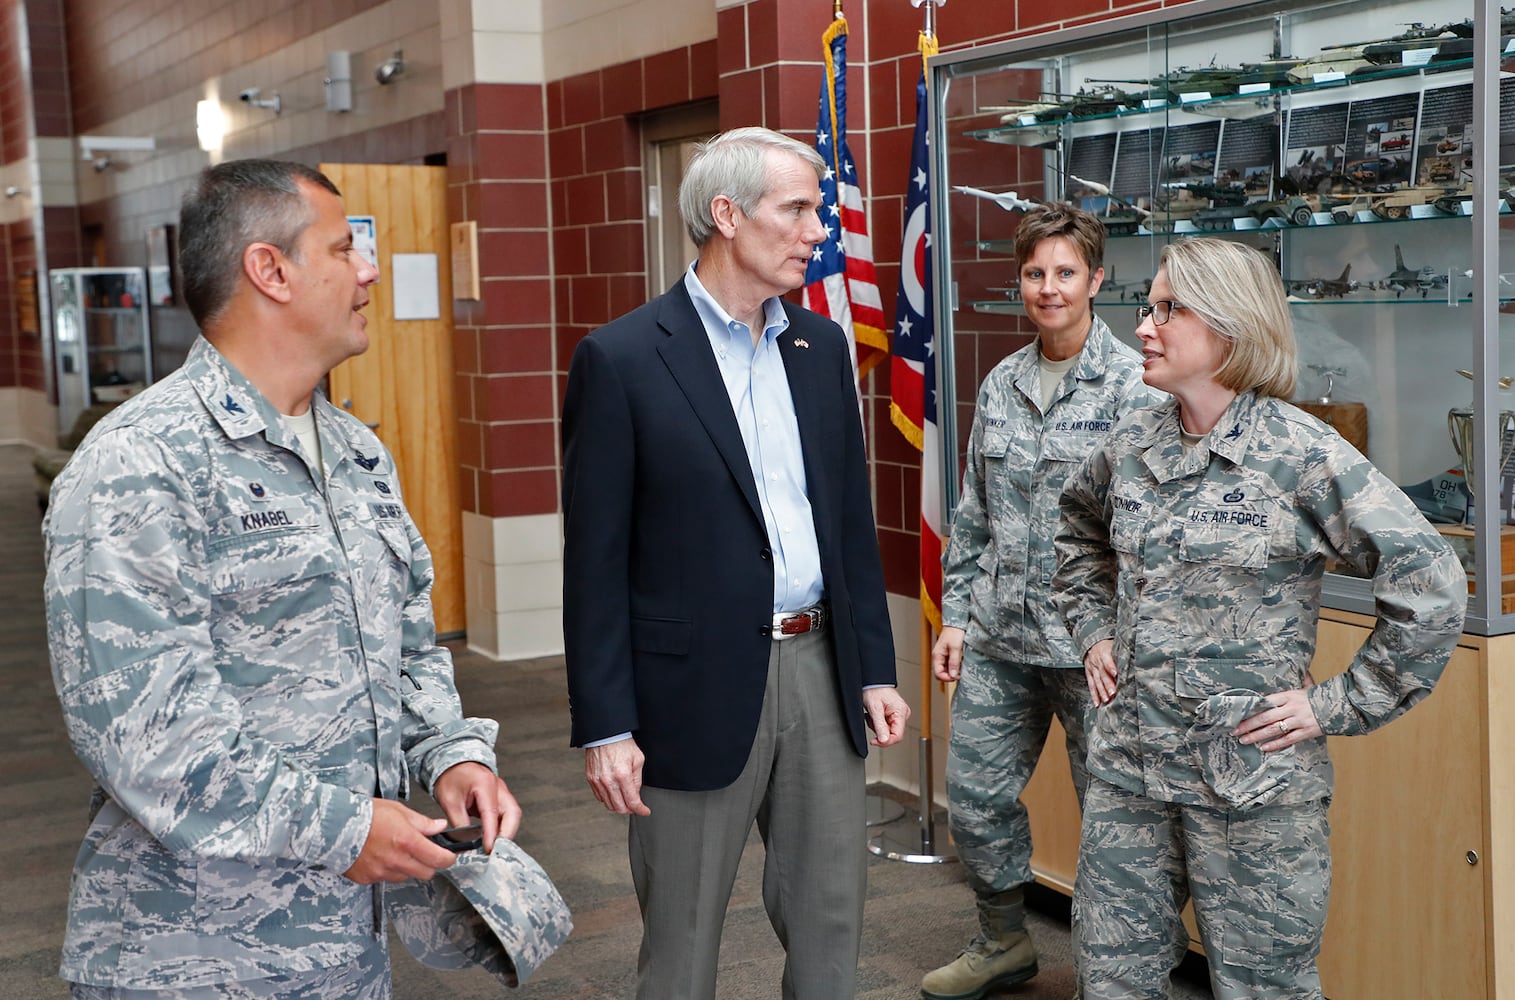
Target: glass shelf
1319 220
1253 103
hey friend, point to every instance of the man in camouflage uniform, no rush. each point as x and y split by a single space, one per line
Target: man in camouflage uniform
1191 548
1040 412
239 618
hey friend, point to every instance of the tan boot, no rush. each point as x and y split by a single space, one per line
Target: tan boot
983 966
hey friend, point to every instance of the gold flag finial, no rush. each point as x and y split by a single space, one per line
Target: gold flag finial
836 8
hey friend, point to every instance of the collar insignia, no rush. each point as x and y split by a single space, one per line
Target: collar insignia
231 405
1233 433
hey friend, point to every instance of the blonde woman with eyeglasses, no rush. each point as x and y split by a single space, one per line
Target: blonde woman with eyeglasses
1191 549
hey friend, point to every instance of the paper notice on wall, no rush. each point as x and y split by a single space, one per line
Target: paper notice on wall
365 238
417 292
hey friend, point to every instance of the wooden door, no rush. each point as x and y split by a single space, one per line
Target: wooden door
403 385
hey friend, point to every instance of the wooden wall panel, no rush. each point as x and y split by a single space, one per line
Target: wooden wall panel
404 383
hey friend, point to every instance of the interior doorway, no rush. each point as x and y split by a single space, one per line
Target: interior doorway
668 141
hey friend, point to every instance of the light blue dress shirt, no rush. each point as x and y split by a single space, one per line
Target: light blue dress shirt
759 391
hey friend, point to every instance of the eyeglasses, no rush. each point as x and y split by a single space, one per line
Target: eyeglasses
1160 311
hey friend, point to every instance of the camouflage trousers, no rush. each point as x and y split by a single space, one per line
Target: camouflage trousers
366 977
1001 712
1259 880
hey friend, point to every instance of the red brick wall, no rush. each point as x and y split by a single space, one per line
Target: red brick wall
497 177
553 177
33 91
124 56
49 68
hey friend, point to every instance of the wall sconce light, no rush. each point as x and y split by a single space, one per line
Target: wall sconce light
251 97
338 81
89 145
210 125
390 69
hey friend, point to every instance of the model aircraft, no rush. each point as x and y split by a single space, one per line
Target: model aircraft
1403 279
1137 290
1008 200
1319 288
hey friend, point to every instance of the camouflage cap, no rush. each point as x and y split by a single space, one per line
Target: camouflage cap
497 910
1240 773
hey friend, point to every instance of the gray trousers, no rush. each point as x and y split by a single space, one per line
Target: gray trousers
366 977
1259 878
1001 711
803 785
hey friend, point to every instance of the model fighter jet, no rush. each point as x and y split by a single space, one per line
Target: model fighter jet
1403 279
1320 288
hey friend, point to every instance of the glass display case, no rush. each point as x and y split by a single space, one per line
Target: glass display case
1368 148
102 349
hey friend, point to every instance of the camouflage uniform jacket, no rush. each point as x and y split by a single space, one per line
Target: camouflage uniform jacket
1205 568
997 569
244 659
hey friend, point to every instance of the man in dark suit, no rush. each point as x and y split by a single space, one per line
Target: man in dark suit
724 616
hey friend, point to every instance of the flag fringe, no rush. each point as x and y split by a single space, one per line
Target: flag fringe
913 431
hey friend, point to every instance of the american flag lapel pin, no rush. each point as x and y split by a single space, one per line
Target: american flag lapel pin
801 342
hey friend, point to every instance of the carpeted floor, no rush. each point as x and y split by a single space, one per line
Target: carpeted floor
917 916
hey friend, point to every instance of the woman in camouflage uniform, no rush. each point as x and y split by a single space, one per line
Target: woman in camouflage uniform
1040 412
1191 551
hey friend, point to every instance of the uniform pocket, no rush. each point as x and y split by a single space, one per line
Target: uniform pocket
397 540
994 445
270 559
1240 773
1202 676
1126 533
1277 877
1223 545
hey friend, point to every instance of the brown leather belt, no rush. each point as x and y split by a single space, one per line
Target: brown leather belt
788 624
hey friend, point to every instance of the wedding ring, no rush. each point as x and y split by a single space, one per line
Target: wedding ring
1283 728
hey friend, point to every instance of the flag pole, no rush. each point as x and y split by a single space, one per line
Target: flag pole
878 810
900 845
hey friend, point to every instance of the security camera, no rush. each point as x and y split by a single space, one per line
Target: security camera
390 68
251 97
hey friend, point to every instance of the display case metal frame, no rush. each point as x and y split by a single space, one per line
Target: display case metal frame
1151 28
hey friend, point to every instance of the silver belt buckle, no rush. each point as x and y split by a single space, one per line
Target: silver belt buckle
789 625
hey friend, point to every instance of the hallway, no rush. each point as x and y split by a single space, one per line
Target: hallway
917 915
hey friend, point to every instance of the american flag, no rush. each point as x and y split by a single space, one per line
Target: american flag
841 281
912 373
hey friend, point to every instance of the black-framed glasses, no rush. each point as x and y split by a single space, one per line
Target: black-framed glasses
1160 311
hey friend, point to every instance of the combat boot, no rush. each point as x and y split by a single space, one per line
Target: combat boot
1000 954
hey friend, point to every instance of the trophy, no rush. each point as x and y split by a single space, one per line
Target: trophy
1460 427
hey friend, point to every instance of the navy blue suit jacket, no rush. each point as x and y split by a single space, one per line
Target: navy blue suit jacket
667 572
